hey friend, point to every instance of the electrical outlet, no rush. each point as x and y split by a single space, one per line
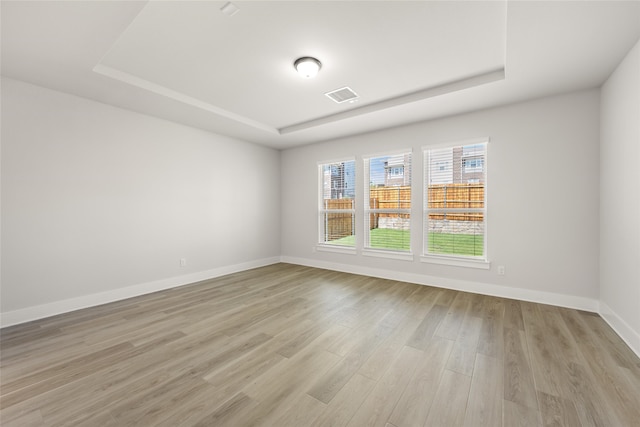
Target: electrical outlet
501 270
183 262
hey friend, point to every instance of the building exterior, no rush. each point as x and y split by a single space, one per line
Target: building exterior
397 171
339 180
457 165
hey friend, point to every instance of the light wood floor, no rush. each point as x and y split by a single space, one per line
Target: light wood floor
287 345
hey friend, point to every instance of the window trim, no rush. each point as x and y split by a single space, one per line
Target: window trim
456 261
481 262
340 249
388 253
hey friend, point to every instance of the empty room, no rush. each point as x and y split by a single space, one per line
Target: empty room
320 213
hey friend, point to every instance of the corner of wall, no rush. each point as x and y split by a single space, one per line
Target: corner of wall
622 328
619 187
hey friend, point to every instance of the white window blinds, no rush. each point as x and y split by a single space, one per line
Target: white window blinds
336 214
455 200
388 202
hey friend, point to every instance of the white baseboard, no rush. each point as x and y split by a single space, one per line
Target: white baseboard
622 328
58 307
568 301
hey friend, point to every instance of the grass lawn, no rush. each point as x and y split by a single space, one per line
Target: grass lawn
455 244
381 238
439 243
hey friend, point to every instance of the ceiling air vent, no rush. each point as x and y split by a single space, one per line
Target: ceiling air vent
342 95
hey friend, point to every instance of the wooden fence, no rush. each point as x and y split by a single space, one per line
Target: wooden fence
459 196
388 198
338 225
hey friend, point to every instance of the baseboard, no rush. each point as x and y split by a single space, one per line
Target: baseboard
58 307
568 301
622 328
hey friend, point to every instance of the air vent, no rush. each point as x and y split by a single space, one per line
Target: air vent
342 95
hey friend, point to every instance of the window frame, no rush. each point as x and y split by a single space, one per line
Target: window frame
367 250
481 262
321 244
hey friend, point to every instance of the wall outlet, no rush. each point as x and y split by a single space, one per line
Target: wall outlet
183 262
501 270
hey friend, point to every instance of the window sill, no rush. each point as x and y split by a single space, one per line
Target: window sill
336 249
456 262
404 256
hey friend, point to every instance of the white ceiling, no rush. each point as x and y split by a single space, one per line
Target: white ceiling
188 62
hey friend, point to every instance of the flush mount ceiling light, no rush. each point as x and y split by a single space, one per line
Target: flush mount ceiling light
307 66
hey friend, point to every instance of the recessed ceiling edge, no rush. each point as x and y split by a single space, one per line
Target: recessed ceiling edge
430 92
180 97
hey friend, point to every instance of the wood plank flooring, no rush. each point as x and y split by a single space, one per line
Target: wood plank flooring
287 345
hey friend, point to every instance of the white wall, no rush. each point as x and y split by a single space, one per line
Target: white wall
620 199
100 203
542 200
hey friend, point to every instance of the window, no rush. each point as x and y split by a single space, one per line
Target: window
441 166
455 201
336 203
388 202
472 164
396 171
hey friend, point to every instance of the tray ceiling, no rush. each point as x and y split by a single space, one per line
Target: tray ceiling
189 62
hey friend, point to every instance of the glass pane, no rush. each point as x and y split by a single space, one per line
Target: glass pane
338 181
455 195
390 171
339 228
338 192
456 234
389 231
390 189
456 177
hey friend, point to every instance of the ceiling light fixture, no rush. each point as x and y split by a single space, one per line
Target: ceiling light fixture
307 66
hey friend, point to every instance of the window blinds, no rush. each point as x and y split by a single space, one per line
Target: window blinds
388 202
455 200
337 205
